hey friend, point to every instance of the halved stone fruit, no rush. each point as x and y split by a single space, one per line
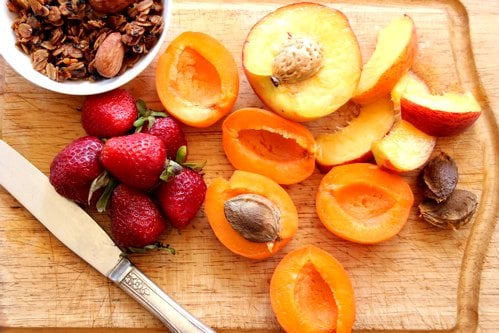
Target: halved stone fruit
302 60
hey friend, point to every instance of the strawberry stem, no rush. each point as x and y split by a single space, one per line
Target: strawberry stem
104 198
99 182
146 114
172 169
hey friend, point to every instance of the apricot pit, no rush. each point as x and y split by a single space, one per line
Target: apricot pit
255 217
250 214
298 60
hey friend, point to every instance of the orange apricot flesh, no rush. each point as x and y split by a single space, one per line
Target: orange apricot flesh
362 203
260 141
197 79
242 182
310 292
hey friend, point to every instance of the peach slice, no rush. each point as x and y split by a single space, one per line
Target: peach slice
409 83
404 148
353 142
440 115
302 60
394 54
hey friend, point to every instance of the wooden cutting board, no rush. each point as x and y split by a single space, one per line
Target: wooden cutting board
409 282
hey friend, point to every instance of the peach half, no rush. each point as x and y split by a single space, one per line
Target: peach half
302 60
393 56
352 143
440 115
404 148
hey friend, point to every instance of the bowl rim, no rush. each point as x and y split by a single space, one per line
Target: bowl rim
21 63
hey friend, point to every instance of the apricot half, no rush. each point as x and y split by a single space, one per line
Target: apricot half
260 141
311 292
362 203
197 79
302 60
242 183
394 54
352 143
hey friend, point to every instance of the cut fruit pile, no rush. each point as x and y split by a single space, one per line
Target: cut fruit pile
303 61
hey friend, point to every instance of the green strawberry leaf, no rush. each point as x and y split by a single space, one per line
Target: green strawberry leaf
146 114
106 195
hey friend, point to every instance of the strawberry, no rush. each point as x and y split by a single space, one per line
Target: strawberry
109 114
163 126
136 160
181 195
170 132
74 168
136 220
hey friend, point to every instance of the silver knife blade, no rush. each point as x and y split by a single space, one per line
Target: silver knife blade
62 217
81 234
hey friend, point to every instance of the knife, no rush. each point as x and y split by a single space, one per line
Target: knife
82 235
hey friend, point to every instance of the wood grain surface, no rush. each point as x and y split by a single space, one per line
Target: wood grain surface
407 283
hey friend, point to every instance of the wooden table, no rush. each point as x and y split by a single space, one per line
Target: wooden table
80 297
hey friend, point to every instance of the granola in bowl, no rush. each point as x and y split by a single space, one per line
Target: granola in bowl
62 37
75 47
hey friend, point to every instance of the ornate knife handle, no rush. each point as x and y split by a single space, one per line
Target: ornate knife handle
143 290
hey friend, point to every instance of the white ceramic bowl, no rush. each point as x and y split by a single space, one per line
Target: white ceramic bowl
21 62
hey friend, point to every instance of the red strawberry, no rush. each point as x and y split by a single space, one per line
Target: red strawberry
181 196
75 167
170 132
109 114
136 159
136 220
163 126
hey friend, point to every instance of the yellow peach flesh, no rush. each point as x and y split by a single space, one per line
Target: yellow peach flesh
392 58
334 83
448 102
410 83
354 140
404 148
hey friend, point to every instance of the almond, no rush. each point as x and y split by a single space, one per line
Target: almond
110 6
109 56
